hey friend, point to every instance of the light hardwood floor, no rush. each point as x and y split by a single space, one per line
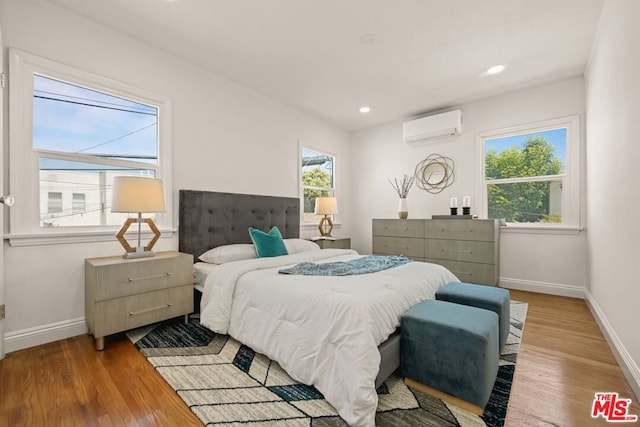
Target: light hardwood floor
563 361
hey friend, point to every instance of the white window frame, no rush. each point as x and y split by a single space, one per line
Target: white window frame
24 166
301 186
571 192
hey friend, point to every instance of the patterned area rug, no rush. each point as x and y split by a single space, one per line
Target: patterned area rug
225 383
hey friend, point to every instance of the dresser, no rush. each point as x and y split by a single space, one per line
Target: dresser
122 294
470 248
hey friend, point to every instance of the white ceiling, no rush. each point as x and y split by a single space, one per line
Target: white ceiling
426 54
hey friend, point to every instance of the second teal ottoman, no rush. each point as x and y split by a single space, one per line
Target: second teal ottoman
487 297
451 348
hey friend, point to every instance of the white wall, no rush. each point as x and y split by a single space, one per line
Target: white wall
538 262
225 138
613 153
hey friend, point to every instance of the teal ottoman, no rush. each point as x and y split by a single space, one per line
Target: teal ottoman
450 350
487 297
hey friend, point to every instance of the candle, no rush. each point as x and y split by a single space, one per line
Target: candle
466 202
454 202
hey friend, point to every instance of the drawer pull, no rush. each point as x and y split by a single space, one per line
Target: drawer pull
456 230
135 279
457 251
160 307
396 247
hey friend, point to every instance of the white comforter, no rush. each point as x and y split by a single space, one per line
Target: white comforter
322 330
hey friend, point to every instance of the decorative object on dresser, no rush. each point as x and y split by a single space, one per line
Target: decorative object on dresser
466 205
454 206
122 294
326 206
137 194
334 243
470 248
434 173
402 188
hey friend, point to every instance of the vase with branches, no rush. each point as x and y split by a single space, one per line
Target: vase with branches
402 187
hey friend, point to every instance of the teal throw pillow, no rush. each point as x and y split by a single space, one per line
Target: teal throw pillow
268 244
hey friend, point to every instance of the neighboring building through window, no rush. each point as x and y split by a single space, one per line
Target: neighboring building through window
531 174
318 180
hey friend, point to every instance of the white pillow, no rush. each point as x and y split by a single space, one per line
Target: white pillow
228 253
300 245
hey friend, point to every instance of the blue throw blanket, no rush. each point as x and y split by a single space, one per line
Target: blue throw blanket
367 264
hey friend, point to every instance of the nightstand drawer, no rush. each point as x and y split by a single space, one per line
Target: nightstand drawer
413 248
470 272
129 312
461 229
398 227
130 277
460 250
344 243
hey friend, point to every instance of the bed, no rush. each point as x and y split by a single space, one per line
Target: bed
336 333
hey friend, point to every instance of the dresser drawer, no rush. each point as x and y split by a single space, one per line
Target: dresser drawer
461 229
484 274
129 312
132 277
398 227
413 248
460 250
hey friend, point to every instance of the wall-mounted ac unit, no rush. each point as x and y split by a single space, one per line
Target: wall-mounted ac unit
432 127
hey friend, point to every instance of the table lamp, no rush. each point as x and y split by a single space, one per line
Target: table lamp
326 206
135 194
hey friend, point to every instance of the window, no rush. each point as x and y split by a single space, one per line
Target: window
73 125
79 206
54 203
318 180
530 174
72 134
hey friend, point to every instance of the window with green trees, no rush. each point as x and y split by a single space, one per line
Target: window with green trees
530 176
318 180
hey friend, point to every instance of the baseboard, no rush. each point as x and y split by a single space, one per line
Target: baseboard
627 364
31 337
559 289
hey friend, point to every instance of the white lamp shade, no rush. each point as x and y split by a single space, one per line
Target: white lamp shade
137 194
326 206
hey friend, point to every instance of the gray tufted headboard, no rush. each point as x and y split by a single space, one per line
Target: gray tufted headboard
210 219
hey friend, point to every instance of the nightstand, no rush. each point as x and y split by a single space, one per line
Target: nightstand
122 294
334 244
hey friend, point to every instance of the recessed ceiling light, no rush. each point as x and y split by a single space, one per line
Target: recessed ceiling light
365 109
495 69
367 38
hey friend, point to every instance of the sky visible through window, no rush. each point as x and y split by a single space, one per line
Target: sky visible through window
72 119
557 137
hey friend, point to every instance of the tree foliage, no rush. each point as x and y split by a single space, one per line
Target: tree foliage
316 177
522 201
